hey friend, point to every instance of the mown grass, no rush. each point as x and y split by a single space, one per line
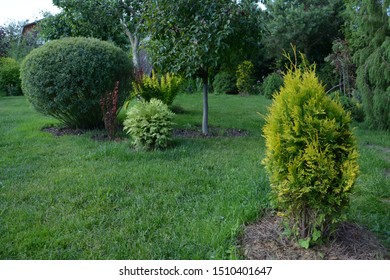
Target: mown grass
72 197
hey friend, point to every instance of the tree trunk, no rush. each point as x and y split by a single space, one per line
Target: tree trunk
134 44
135 51
205 121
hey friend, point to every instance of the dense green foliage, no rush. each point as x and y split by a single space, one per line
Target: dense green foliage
310 25
224 82
164 88
373 81
149 123
271 84
245 77
369 34
351 105
118 21
9 76
67 78
85 18
311 155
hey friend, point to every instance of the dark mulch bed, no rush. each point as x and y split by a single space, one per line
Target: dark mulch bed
264 240
61 131
196 132
193 132
97 136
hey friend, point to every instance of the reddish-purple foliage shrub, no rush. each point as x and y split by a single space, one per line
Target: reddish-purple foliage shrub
109 105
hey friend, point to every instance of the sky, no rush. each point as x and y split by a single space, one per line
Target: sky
21 10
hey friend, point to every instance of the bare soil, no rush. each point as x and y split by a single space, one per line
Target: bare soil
264 240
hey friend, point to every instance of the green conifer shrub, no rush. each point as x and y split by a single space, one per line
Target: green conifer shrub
311 155
67 79
149 123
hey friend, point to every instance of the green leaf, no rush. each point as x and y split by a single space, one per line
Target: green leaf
316 235
304 243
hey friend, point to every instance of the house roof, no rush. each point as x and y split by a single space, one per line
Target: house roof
27 28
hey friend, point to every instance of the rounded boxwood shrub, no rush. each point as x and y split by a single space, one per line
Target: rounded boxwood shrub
67 79
149 124
311 156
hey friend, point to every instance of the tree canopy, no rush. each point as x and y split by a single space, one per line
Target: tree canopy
310 25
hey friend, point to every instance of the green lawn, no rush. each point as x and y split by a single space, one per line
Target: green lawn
72 197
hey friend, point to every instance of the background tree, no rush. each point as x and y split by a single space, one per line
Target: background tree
132 20
118 21
88 18
368 30
344 67
15 45
310 25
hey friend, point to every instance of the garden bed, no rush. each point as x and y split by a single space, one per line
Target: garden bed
264 240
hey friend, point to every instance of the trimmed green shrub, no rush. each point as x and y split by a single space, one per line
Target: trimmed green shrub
225 82
164 88
9 76
67 79
272 84
109 106
149 124
244 77
311 156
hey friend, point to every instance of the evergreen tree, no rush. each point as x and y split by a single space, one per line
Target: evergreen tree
368 30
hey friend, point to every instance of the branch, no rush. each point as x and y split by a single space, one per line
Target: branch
127 7
336 86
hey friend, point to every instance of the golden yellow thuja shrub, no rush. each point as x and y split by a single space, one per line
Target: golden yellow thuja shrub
311 155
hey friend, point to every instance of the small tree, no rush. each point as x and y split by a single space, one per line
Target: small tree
197 37
341 60
311 155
